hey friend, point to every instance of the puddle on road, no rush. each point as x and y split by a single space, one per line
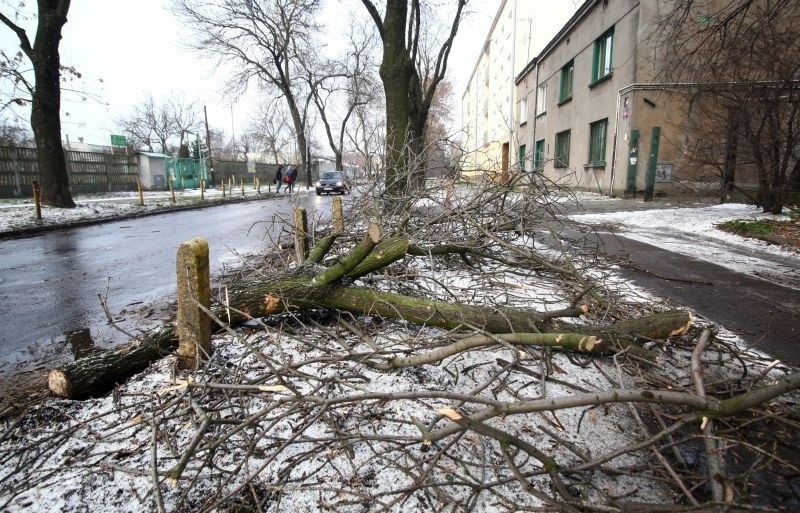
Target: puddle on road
23 373
81 343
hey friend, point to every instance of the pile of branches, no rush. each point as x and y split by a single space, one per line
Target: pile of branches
309 403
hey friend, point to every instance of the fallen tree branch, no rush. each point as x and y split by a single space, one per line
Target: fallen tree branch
549 463
572 341
321 248
349 262
716 466
708 406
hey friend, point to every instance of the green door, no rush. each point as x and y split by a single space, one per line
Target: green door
650 178
633 160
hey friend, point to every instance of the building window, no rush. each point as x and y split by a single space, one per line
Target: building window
541 99
523 111
597 142
538 156
603 50
567 74
562 149
522 157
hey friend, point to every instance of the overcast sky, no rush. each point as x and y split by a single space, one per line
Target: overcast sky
127 49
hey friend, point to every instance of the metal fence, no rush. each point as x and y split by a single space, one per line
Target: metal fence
88 172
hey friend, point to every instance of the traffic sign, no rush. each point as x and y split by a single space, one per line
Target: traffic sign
118 140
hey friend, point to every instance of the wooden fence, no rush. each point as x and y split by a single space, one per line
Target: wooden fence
239 170
88 172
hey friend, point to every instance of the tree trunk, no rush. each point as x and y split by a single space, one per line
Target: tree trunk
401 87
46 104
731 154
298 121
100 372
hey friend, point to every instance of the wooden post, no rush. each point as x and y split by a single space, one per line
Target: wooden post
37 200
300 235
223 188
202 190
258 186
194 290
338 215
241 182
141 195
171 191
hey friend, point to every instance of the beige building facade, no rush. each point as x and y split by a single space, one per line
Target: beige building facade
597 116
490 108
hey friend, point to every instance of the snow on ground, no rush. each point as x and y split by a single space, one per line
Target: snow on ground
296 455
20 214
307 448
693 232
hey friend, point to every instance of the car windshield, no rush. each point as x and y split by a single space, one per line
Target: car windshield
331 175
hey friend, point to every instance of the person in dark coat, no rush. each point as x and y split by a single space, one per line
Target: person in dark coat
292 178
278 180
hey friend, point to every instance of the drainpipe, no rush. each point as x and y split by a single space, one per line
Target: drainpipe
614 148
535 114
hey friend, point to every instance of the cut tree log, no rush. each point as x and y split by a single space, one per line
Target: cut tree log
633 332
299 290
100 372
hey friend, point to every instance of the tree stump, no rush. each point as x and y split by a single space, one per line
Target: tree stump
194 300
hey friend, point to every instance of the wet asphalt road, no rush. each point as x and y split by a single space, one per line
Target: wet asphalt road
49 283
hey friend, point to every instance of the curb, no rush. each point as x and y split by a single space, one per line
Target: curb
32 231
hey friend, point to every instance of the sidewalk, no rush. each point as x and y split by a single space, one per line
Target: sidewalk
748 286
17 217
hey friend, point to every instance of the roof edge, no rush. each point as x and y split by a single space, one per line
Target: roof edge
568 26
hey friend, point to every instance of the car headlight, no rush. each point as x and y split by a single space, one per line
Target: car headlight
339 184
319 184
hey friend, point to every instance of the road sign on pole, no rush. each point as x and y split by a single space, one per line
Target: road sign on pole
118 140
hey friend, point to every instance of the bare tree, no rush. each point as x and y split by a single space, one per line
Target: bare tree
45 93
410 79
741 57
346 84
163 124
367 136
269 130
185 116
15 135
267 40
463 388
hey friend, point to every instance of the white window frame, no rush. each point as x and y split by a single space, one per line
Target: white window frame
541 99
523 111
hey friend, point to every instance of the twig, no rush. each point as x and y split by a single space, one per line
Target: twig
154 470
716 473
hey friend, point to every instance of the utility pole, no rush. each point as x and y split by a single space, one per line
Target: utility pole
208 145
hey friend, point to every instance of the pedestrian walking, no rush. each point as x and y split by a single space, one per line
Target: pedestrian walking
292 177
278 180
